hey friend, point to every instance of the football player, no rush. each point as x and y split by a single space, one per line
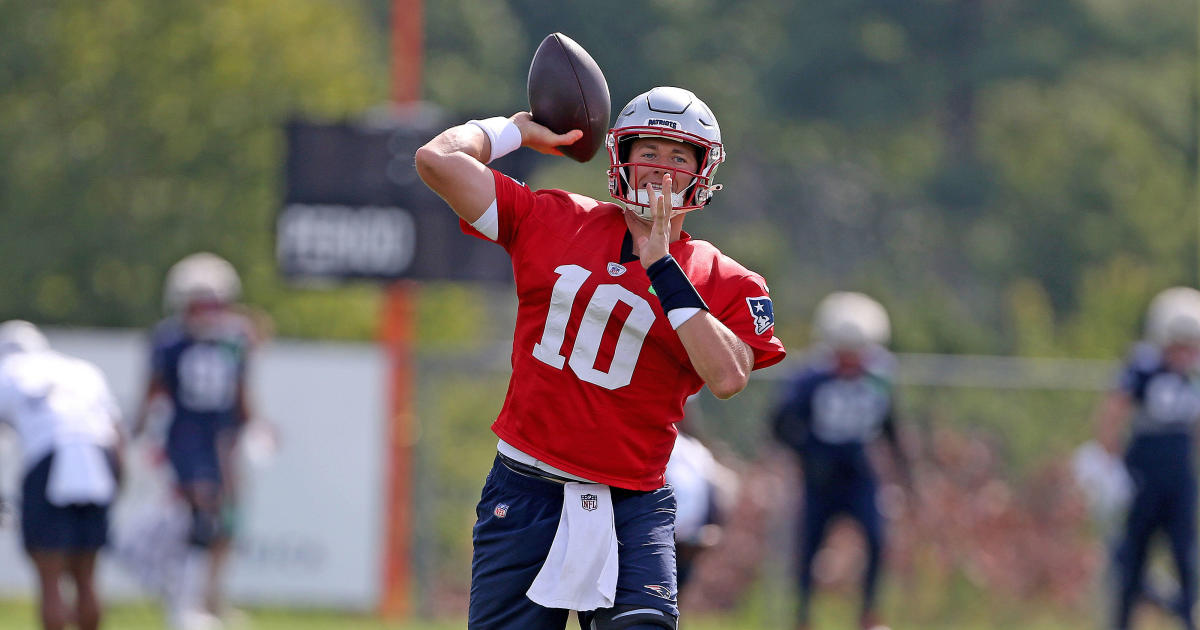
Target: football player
1158 395
68 424
621 316
199 357
840 401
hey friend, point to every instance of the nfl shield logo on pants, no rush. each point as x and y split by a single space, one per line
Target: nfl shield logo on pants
589 501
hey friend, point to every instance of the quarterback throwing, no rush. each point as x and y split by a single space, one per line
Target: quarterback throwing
621 316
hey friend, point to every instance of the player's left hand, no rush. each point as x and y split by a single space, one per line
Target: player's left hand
652 244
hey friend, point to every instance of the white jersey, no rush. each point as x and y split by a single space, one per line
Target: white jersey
691 472
54 401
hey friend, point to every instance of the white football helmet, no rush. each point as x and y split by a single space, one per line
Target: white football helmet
200 277
672 113
18 335
848 320
1174 317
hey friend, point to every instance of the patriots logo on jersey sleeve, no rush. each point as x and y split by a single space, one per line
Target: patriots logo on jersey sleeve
762 312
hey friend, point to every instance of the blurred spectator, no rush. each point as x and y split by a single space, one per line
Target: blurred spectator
68 424
199 357
839 401
1158 396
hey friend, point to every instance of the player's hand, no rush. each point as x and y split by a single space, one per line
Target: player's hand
652 246
540 138
259 441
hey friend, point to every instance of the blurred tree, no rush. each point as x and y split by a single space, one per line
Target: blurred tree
136 132
932 148
978 166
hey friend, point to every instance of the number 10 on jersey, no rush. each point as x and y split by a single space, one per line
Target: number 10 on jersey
586 346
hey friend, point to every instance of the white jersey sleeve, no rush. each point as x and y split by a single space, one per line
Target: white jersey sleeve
51 399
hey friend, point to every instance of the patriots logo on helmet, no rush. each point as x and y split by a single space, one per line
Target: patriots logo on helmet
659 122
762 312
589 501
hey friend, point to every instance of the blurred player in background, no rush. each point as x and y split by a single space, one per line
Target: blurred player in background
621 316
199 358
832 409
1159 391
68 424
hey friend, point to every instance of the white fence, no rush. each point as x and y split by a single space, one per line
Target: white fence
313 516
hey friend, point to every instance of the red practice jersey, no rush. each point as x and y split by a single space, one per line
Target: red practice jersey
599 377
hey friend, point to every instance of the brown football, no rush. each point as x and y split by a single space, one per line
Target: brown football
567 90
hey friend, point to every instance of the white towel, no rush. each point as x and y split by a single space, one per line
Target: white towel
80 473
580 572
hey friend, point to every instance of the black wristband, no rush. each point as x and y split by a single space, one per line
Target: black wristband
672 286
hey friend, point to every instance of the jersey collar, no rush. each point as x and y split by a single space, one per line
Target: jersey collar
627 254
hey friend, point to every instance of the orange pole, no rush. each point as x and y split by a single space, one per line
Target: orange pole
408 46
397 335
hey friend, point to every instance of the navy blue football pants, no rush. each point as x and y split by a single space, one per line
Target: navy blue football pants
822 502
517 517
48 527
192 451
1165 498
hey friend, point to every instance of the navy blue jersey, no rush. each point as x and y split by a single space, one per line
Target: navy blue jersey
1166 405
828 419
1164 401
203 374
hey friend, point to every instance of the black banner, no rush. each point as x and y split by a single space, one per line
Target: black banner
354 208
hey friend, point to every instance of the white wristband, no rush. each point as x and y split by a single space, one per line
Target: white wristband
677 316
505 135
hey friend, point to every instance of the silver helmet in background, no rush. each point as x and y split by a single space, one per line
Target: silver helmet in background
848 320
200 277
1174 317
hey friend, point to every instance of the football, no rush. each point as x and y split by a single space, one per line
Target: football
567 90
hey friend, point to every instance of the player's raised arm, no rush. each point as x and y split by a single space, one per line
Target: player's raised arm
722 359
453 164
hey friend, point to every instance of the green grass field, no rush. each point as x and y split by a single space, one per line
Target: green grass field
968 611
832 613
19 615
